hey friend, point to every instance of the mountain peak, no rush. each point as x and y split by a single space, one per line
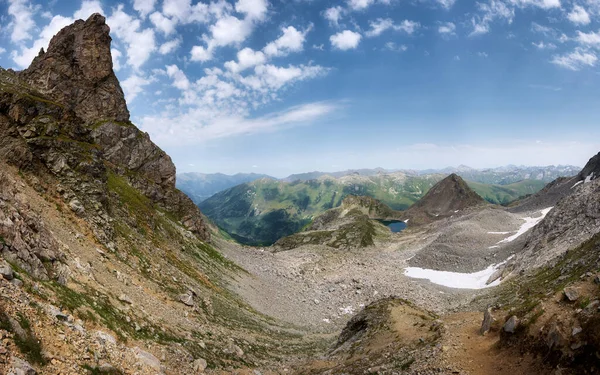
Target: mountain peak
76 71
447 197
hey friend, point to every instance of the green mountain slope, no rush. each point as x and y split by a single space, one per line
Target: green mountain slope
265 210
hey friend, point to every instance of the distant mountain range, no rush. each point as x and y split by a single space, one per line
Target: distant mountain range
265 210
200 186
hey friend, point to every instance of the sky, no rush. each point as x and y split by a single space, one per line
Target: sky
283 87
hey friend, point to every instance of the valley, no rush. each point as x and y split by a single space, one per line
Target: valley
107 268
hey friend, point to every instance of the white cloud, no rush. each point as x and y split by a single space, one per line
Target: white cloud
22 24
447 28
359 4
195 126
380 25
483 54
2 50
88 7
391 46
253 9
491 11
116 55
544 4
542 45
201 54
180 80
576 60
140 42
536 27
275 77
144 7
247 58
588 39
334 15
291 40
230 30
345 40
164 24
446 3
133 85
579 16
170 46
185 12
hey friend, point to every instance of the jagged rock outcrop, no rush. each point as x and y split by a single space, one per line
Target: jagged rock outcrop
591 171
77 72
444 199
66 116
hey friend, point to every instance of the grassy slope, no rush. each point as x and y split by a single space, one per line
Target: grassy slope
261 212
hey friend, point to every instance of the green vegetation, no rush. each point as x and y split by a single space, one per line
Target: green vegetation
265 210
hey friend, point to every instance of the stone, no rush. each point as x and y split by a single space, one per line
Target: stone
571 293
495 276
6 270
187 299
488 320
21 367
16 282
147 359
511 324
76 206
125 299
199 365
576 331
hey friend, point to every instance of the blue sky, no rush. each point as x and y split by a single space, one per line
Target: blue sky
282 87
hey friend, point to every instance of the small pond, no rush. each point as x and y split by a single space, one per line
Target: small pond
394 225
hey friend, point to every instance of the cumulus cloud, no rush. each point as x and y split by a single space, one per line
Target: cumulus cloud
22 23
579 16
163 24
170 46
144 7
247 58
576 59
140 42
446 3
88 7
588 39
253 9
291 40
333 15
345 40
489 12
359 4
447 28
380 25
180 80
391 46
133 86
542 45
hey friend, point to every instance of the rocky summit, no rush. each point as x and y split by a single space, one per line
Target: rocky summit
107 268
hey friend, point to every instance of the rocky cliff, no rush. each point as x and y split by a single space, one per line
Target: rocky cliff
66 116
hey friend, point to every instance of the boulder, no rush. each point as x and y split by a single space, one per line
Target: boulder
199 365
21 367
511 324
488 320
6 270
571 294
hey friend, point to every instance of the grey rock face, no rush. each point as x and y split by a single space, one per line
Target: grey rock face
77 72
6 270
199 365
511 324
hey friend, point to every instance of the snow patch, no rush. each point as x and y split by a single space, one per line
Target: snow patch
589 178
529 223
577 183
498 232
475 280
348 310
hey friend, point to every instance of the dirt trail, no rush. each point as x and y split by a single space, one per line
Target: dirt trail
474 354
